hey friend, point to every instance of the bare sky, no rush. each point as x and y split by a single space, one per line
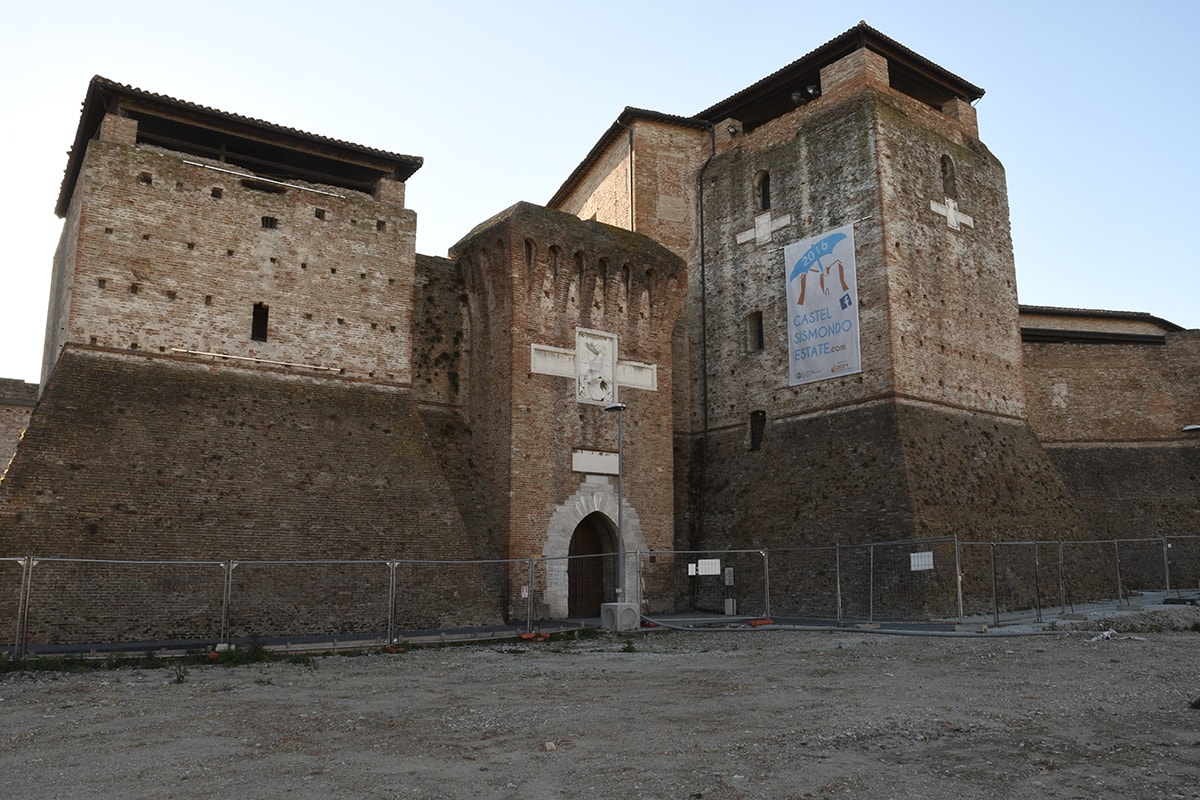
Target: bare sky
1089 105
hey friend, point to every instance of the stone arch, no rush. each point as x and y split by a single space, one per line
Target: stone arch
591 568
596 493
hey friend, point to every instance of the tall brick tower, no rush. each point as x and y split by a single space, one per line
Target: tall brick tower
567 319
851 324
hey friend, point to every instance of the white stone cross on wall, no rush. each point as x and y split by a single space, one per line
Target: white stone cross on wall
949 210
594 366
763 228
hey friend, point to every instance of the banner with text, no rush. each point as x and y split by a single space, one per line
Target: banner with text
822 292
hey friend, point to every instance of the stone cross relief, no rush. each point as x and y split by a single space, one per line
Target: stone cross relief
949 209
594 366
764 228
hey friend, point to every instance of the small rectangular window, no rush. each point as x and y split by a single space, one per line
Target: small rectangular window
758 426
270 223
258 323
754 332
320 213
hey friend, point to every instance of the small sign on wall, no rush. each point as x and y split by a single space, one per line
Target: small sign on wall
921 561
705 566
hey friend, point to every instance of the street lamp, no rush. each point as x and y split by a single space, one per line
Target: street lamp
619 408
1186 429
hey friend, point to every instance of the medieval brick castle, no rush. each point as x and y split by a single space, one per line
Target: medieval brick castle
803 296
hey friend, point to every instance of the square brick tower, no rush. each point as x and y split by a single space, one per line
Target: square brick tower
228 378
851 321
568 319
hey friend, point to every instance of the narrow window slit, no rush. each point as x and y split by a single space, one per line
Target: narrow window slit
258 323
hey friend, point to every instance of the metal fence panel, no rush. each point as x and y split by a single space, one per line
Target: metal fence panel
12 587
46 602
308 598
899 580
73 601
721 581
804 582
1183 563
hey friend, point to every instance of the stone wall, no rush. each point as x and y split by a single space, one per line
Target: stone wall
1111 414
135 456
1100 391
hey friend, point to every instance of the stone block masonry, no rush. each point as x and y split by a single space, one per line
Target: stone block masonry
137 456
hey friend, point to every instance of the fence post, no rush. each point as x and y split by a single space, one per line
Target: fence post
837 569
529 600
958 579
1062 582
1166 566
995 598
1117 555
20 643
766 584
226 599
1037 585
871 587
391 621
641 581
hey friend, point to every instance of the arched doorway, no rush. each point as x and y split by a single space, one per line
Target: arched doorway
591 568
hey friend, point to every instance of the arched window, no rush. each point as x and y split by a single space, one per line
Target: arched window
949 181
762 190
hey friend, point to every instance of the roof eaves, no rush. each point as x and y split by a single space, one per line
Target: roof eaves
1134 316
102 92
861 35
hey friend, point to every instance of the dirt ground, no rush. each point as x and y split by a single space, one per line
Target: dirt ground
660 714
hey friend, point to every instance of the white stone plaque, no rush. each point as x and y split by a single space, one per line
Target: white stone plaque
594 462
596 367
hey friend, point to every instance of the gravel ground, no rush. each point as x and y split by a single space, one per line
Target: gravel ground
658 714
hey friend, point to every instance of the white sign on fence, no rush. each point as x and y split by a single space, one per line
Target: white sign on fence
921 561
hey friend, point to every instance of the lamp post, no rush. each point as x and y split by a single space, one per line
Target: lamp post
619 408
1186 429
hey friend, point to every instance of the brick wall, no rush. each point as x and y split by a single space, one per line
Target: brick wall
1111 415
138 456
159 254
533 277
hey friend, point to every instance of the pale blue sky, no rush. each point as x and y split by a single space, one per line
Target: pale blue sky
1089 105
